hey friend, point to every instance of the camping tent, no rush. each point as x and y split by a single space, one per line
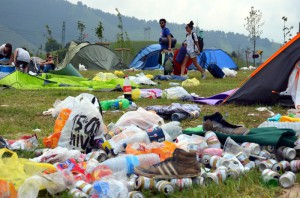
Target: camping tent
92 56
147 58
271 78
215 56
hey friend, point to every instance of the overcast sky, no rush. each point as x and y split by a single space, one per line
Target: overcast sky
225 15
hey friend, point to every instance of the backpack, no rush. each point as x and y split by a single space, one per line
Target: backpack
200 41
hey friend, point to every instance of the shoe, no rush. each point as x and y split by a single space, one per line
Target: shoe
183 164
203 76
216 123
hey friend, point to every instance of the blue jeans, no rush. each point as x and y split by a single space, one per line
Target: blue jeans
45 68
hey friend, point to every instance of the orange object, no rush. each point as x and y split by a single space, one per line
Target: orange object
7 189
100 172
164 149
288 119
52 140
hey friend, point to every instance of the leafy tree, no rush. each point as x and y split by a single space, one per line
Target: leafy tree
81 27
51 44
99 30
253 25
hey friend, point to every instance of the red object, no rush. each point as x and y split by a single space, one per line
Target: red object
177 66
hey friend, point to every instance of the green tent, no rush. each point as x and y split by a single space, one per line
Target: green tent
92 56
21 80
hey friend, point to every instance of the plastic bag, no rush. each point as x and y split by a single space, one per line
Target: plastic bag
190 82
52 140
101 76
141 118
84 125
16 170
175 93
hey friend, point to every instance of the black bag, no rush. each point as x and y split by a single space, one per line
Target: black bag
215 71
200 41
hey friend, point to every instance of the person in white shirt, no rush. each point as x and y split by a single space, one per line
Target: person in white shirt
6 53
192 50
22 59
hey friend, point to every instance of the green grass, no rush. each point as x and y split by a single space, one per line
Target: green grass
21 112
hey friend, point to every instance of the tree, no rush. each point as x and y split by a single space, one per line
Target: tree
120 37
99 30
81 27
51 44
253 25
286 30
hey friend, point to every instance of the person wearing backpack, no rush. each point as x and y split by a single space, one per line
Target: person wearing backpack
167 42
192 50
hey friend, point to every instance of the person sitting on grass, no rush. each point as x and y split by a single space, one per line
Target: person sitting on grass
47 64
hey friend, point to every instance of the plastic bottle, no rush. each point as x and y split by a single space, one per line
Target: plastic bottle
114 104
127 89
133 134
128 162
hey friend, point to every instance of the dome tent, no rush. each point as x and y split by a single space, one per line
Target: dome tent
92 56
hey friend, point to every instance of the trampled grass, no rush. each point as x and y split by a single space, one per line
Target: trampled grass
21 113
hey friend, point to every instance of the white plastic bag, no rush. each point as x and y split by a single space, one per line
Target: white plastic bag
175 93
141 118
84 125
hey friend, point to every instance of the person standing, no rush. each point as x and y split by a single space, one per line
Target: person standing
6 52
22 59
192 50
166 45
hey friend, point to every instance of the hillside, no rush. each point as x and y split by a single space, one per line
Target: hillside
29 29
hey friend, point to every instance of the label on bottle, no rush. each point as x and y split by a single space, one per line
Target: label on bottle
156 134
127 89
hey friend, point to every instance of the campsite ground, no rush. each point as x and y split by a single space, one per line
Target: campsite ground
21 113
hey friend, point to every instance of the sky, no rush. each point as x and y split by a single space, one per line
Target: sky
224 15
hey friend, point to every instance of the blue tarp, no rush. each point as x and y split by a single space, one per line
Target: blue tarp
147 58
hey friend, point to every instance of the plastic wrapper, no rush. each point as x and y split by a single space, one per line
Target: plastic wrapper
28 143
57 154
163 149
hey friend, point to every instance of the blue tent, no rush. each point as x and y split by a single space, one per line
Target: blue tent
215 56
147 58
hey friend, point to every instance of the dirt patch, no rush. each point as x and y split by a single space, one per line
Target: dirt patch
292 192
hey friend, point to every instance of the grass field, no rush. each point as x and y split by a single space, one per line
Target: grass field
21 113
